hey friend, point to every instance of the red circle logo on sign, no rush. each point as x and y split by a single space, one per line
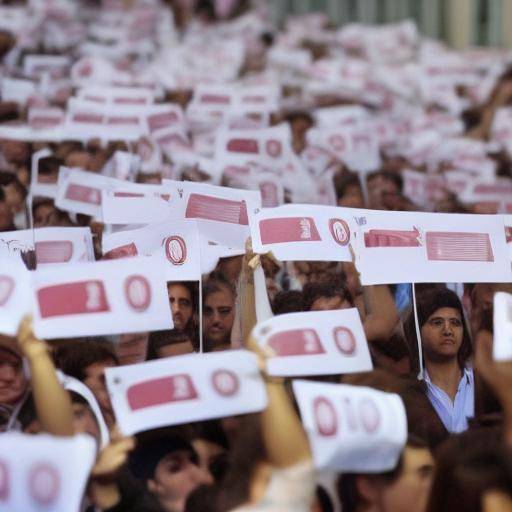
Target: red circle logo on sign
369 414
340 231
138 292
4 481
175 250
44 483
345 340
225 382
337 142
325 417
274 148
6 288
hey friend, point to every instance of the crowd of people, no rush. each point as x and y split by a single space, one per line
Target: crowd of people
438 125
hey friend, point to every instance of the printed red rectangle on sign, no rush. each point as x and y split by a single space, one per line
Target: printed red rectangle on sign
391 238
165 390
288 229
45 121
243 146
124 251
446 246
72 299
54 251
200 206
83 194
297 342
88 118
158 121
128 194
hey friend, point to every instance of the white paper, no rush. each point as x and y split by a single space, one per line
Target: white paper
44 472
502 346
352 429
177 241
183 389
15 295
104 297
407 247
315 343
303 232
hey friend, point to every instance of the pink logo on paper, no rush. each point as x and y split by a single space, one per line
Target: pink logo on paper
138 292
296 342
175 250
123 251
274 148
338 142
83 194
88 118
165 390
325 417
215 98
118 120
288 229
370 415
44 483
54 251
392 238
158 121
340 231
345 340
73 299
446 246
225 382
200 206
243 146
7 285
4 481
268 194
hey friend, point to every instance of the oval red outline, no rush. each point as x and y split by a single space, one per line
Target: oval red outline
10 288
168 253
145 283
50 493
346 230
5 481
325 432
346 351
370 425
274 148
234 379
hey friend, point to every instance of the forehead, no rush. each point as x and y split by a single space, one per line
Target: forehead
6 356
178 290
221 297
171 457
97 368
446 313
415 457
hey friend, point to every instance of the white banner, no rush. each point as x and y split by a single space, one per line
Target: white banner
44 472
104 297
15 295
315 343
183 389
352 429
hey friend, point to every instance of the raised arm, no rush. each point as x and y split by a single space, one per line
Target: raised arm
52 401
382 315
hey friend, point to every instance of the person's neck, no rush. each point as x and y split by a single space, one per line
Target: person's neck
445 375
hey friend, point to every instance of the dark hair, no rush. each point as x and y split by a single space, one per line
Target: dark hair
346 485
216 283
394 177
291 301
344 180
469 465
427 303
75 357
159 339
193 289
335 288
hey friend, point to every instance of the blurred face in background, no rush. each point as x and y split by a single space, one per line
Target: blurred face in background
132 348
12 379
180 299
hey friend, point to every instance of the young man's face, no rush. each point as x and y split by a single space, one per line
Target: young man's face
442 334
12 380
218 317
411 489
95 381
176 476
181 305
380 191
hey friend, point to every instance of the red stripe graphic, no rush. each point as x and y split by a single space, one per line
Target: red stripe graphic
214 208
83 194
215 98
165 390
55 251
297 342
73 299
157 121
243 146
446 246
391 238
288 229
123 251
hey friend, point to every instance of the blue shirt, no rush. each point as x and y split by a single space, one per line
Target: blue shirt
454 415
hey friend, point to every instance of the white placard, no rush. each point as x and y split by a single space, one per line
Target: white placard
303 232
44 472
352 429
54 245
222 213
315 343
104 297
183 389
502 347
37 188
15 295
407 247
178 241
